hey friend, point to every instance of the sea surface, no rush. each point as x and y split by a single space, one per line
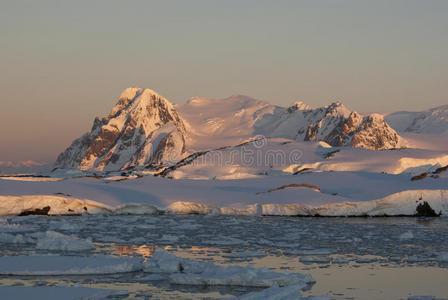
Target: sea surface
350 258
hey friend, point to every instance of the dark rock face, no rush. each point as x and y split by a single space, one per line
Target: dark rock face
441 169
375 133
420 177
142 128
425 210
38 211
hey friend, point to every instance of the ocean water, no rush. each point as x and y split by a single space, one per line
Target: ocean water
350 258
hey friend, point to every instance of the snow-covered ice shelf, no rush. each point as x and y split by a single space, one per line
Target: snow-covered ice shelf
332 194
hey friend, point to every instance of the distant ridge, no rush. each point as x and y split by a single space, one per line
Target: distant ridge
434 121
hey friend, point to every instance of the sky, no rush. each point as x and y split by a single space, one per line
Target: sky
64 62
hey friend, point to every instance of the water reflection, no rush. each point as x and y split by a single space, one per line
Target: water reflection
144 251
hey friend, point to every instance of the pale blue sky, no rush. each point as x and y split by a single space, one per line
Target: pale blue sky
64 62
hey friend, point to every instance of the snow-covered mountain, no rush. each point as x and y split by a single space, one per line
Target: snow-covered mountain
239 117
145 129
142 128
222 122
434 121
334 124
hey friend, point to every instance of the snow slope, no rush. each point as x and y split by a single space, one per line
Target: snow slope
222 122
432 121
323 193
275 156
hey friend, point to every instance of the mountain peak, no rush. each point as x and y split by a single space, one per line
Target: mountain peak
335 105
334 124
136 94
298 105
142 128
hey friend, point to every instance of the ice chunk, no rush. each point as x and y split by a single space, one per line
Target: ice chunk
169 238
6 226
56 293
244 254
406 236
425 298
8 238
67 265
137 209
291 292
317 260
52 240
339 261
191 272
225 241
442 256
366 260
322 251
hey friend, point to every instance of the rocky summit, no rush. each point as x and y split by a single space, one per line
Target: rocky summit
333 124
143 128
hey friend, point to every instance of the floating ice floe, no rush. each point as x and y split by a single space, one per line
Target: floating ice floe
57 293
245 254
291 292
442 257
425 298
7 238
67 265
313 259
51 240
178 270
225 241
406 236
6 226
191 272
321 251
137 209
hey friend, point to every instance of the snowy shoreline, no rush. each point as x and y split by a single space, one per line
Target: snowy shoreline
402 204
